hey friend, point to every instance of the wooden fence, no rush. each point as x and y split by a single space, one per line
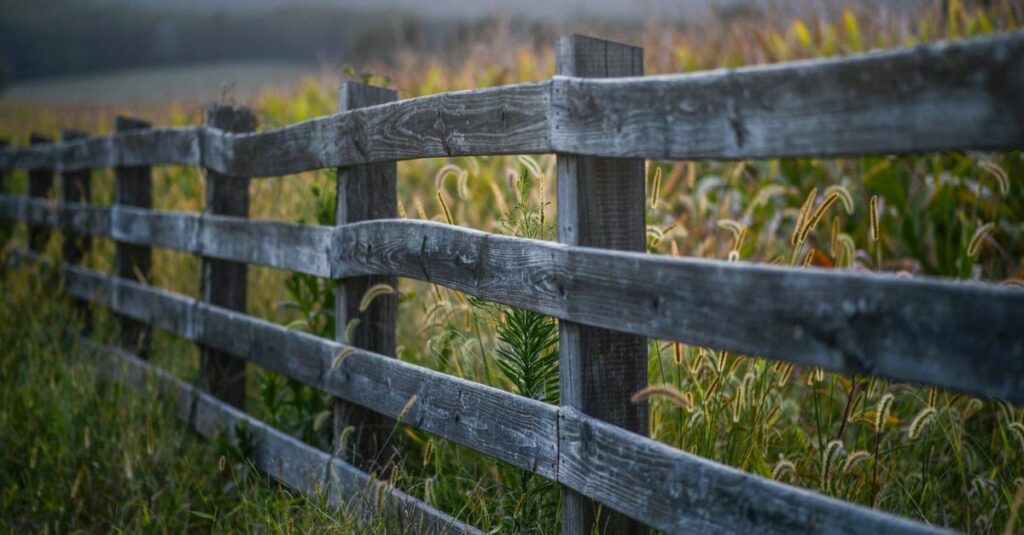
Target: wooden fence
602 118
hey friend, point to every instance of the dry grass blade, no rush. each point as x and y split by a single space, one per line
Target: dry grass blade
374 292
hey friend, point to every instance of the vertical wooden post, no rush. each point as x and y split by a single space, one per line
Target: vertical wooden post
133 187
365 192
6 226
600 204
40 184
224 282
76 187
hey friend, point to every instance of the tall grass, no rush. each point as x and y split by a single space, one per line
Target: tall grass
937 456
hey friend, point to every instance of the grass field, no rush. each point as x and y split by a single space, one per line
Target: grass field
937 456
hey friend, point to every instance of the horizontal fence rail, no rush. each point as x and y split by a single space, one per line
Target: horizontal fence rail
952 96
285 458
659 485
957 335
963 95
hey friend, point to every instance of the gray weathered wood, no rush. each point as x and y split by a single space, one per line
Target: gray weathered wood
600 204
646 480
76 188
308 470
947 96
930 98
224 281
502 120
958 335
6 227
84 219
40 185
952 334
677 492
516 430
133 187
365 192
299 248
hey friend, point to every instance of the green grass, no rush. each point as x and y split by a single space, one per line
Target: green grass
78 455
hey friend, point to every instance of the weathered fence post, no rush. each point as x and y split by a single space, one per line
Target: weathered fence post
76 187
40 184
224 281
365 192
6 225
600 204
133 187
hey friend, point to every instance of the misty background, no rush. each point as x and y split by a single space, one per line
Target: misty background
99 51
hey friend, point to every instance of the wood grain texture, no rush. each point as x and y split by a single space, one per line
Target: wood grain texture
957 335
133 187
224 281
308 470
676 492
641 478
952 334
40 186
516 430
600 204
503 120
298 248
365 192
963 95
947 96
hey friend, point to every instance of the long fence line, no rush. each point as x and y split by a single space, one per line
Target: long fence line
965 336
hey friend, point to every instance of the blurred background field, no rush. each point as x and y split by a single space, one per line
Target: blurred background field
941 457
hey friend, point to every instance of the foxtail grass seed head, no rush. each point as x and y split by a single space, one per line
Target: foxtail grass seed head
666 392
321 419
1005 408
933 396
833 237
973 406
691 174
783 468
875 233
733 226
656 187
531 165
785 371
999 174
882 410
920 422
853 460
677 353
1017 430
350 329
444 206
343 439
974 247
374 292
401 209
830 458
801 217
844 196
428 452
407 407
811 223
